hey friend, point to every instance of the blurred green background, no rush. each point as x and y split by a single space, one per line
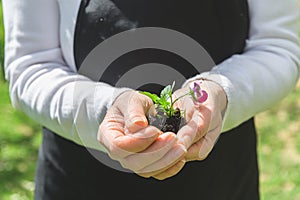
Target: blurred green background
278 149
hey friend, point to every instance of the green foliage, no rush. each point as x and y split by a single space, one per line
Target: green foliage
279 149
154 97
166 93
164 101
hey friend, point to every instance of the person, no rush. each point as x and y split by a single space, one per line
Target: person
255 48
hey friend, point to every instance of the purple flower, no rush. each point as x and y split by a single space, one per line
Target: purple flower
198 95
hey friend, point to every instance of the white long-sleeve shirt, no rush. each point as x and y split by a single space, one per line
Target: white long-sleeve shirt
39 64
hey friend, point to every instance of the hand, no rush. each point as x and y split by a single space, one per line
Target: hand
204 121
128 138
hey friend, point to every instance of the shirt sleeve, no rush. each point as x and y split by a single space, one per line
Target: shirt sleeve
268 68
41 84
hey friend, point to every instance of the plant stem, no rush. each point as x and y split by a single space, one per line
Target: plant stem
172 103
171 107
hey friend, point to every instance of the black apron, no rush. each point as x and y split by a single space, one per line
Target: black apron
68 171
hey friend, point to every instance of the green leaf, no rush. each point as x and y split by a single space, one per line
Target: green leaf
164 103
166 92
154 97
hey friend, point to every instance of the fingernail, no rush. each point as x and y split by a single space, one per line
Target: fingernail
139 121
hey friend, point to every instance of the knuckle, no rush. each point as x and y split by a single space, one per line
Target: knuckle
114 150
125 165
114 157
100 136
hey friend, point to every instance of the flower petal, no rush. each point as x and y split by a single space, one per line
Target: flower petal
203 97
198 95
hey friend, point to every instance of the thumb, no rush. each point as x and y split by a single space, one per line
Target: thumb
135 118
135 112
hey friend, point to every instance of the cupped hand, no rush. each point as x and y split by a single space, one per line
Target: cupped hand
138 147
204 121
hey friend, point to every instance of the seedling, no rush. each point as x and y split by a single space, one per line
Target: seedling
166 116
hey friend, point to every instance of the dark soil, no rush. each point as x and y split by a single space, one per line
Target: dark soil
171 124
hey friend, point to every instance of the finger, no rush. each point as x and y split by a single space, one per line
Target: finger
172 171
193 151
175 154
111 127
120 145
152 154
172 167
195 128
138 141
134 112
201 149
208 143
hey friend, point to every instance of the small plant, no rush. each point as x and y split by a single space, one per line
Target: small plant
166 116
